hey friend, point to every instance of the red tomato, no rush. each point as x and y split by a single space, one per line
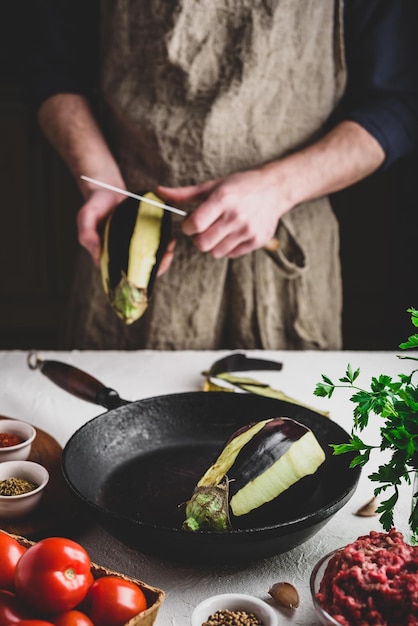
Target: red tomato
72 618
113 601
10 553
53 575
11 609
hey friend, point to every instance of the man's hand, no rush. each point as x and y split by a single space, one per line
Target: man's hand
91 217
240 213
236 215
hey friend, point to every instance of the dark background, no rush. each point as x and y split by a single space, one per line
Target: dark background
378 219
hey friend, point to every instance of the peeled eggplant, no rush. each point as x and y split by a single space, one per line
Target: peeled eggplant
135 238
258 465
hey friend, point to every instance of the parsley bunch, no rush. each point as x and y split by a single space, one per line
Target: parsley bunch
396 401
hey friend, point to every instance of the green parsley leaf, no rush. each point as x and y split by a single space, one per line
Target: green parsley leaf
396 403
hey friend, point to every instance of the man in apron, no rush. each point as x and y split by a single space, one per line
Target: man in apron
231 105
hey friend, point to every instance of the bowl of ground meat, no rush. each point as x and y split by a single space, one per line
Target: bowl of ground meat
372 581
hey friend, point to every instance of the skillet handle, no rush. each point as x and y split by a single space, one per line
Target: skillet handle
76 382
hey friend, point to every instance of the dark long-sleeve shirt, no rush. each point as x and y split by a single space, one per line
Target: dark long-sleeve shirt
381 52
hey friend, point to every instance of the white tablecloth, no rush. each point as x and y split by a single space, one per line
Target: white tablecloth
28 395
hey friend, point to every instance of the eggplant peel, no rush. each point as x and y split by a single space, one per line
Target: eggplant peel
135 239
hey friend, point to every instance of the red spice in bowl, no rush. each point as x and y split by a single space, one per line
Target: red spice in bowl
373 580
16 439
9 439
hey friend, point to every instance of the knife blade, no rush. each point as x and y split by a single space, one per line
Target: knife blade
161 205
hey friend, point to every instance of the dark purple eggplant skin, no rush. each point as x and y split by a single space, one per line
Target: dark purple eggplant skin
263 450
239 432
254 458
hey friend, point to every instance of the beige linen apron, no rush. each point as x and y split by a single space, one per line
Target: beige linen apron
196 89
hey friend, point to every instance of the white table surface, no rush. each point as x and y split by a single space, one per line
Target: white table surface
28 395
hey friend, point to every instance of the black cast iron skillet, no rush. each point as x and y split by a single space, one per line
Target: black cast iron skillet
134 466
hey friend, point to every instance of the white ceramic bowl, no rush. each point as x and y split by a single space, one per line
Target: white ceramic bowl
317 574
14 507
21 451
235 602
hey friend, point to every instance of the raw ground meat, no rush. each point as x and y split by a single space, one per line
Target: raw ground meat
372 581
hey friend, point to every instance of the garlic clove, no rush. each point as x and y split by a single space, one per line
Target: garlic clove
285 595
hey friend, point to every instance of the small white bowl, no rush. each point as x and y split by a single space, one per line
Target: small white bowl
21 451
235 602
14 507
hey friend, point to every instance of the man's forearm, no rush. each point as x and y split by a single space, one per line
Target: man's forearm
70 126
346 155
